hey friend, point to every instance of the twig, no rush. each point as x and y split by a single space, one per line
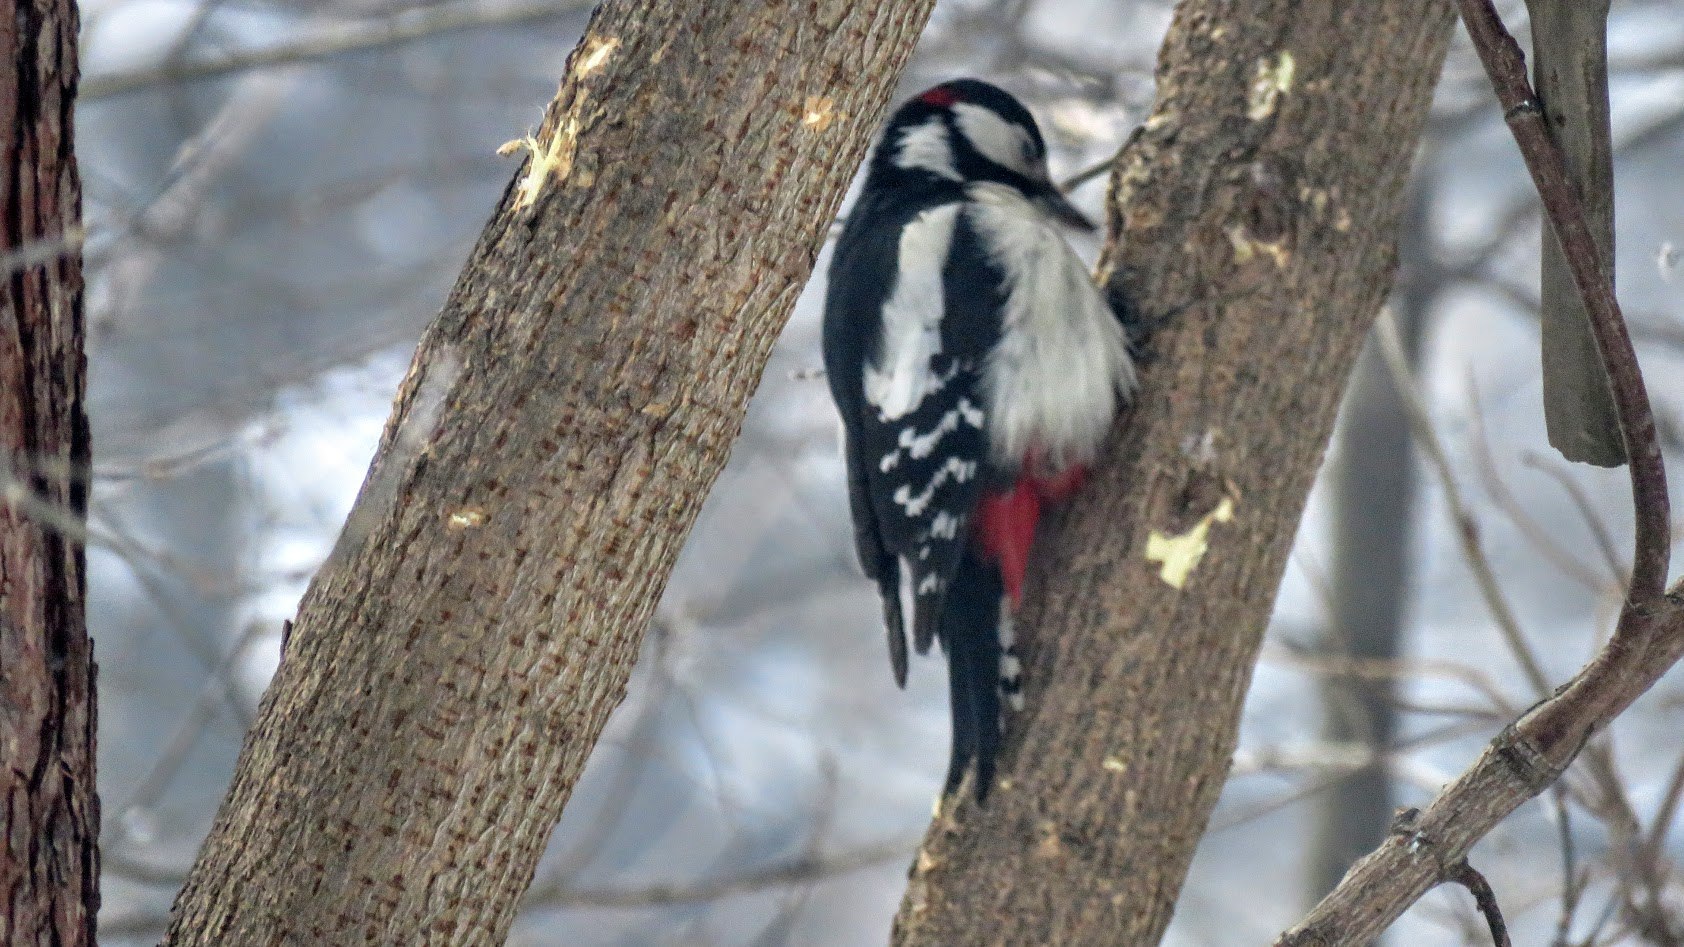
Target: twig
1467 529
1498 490
801 870
36 252
1593 519
333 41
1087 174
1571 885
1379 669
1465 875
1638 865
1331 771
1669 806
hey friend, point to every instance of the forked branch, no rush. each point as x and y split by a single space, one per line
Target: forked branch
1536 749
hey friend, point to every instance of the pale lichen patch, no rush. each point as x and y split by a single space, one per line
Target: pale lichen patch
1050 845
1158 119
1246 247
594 55
1200 448
818 112
1112 764
1180 554
1271 81
470 517
552 159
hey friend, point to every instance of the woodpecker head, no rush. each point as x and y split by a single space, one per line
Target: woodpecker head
967 131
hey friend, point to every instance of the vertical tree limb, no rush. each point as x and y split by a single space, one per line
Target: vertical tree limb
1373 478
1570 62
455 660
49 823
1259 203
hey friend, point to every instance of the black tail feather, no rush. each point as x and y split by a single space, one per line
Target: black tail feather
970 635
892 623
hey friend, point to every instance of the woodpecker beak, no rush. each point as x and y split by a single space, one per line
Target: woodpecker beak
1053 201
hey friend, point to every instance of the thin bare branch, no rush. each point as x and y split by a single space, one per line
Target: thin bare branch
803 870
1497 488
336 40
1534 751
1593 518
1465 875
1467 529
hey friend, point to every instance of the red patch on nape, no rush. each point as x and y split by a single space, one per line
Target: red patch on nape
941 96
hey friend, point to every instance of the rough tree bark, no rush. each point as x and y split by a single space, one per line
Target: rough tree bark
453 663
1258 207
49 860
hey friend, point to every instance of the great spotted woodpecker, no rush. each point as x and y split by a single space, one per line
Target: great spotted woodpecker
976 367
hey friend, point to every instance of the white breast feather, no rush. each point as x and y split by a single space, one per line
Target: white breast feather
901 377
1061 368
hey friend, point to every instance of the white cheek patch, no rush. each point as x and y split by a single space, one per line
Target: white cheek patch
1000 141
925 148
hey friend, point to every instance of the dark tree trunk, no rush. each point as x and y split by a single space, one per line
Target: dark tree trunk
1373 492
49 860
1259 206
456 658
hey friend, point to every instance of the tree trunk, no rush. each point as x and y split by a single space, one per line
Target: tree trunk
456 658
1257 207
1373 492
49 861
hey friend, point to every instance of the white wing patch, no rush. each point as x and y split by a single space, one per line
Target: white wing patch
1061 368
902 375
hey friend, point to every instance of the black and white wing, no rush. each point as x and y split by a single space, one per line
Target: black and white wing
916 430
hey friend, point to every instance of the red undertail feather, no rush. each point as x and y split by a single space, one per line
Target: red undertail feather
1060 487
1006 525
1006 521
